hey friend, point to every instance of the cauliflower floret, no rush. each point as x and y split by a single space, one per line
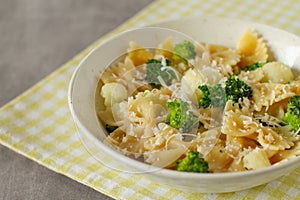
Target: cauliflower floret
256 159
212 75
113 93
277 72
193 78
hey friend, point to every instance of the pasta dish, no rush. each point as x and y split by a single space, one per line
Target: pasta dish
199 107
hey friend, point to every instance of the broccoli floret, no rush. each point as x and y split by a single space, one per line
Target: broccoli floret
292 115
184 51
216 95
236 89
110 128
205 100
192 163
181 116
212 96
154 69
254 66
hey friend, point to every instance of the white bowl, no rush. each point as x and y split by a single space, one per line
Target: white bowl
284 46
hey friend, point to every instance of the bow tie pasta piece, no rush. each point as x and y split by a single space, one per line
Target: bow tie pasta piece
252 77
252 49
285 155
223 55
138 54
273 140
116 72
238 121
166 48
266 94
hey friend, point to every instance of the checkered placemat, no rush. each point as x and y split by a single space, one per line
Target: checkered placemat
38 124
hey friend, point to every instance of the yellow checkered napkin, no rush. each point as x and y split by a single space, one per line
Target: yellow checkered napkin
39 126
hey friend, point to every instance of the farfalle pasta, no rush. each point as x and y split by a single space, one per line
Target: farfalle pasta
159 104
252 49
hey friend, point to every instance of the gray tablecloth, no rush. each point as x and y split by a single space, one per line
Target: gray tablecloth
36 37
